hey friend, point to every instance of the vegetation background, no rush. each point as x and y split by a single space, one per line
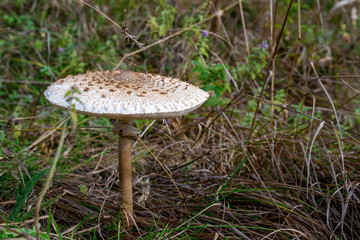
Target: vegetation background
273 153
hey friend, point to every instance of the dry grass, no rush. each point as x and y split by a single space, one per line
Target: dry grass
290 172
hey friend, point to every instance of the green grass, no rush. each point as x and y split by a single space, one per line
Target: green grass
254 161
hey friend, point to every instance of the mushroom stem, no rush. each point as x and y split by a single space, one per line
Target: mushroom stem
125 179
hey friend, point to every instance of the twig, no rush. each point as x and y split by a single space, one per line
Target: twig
172 35
244 27
48 181
310 60
124 30
7 224
24 82
196 215
163 167
295 57
269 67
273 68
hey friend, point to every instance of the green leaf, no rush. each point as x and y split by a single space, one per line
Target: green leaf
207 88
83 189
258 67
56 225
38 45
218 91
203 52
253 75
74 117
24 193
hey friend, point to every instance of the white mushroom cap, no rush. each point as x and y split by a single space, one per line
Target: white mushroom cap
126 95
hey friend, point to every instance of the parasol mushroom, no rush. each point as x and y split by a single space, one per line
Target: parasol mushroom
126 95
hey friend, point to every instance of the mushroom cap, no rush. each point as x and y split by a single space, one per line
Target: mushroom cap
122 94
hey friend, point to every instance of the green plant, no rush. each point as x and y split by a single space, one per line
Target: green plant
57 228
2 139
279 99
23 193
162 22
213 78
12 233
254 63
44 42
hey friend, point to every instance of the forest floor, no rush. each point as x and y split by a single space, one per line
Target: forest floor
272 154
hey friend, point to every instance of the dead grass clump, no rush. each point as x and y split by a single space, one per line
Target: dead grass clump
246 188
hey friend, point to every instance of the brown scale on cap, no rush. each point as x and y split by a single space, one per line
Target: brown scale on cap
86 89
60 81
131 76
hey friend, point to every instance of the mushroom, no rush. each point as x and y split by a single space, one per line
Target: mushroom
126 95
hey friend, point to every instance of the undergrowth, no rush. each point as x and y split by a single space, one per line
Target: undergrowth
272 154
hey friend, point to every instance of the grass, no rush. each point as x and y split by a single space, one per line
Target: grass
273 153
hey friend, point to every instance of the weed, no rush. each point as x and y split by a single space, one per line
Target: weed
268 156
8 233
163 22
23 194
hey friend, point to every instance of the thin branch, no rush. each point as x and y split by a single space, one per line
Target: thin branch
124 30
244 27
172 35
